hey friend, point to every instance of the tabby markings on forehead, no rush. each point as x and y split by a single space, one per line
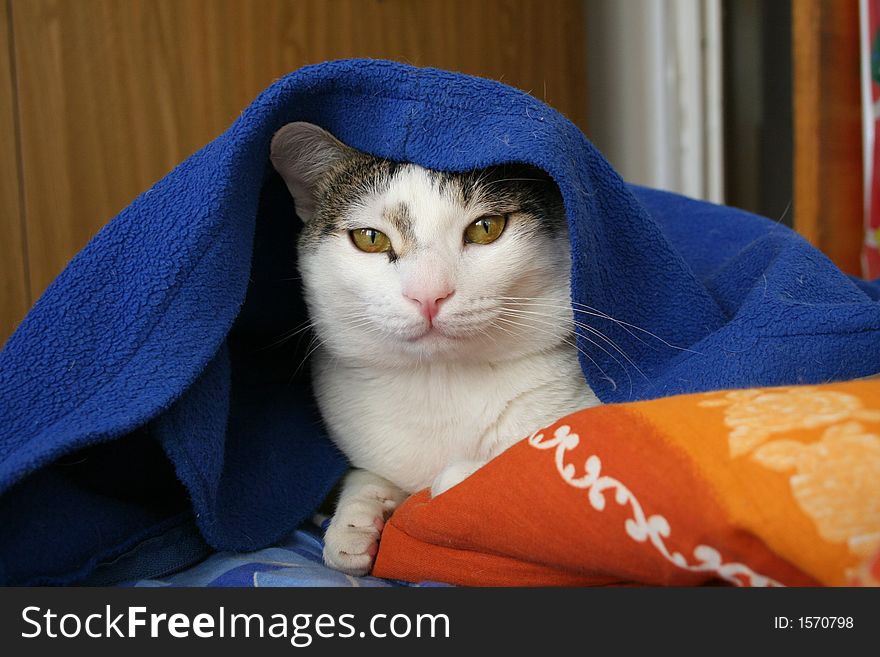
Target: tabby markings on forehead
348 182
400 218
504 189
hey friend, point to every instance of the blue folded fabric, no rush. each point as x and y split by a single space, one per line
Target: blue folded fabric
296 561
139 391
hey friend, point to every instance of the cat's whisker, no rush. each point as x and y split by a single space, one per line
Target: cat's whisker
568 342
287 335
589 310
316 343
592 342
627 325
593 331
569 304
309 351
613 345
541 319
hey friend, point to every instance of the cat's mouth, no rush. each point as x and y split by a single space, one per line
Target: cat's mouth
432 332
449 329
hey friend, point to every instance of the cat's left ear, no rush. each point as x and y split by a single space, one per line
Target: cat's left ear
303 154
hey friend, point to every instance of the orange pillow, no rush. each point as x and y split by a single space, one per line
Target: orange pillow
750 487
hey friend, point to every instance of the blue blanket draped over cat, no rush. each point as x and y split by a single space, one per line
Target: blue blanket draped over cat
145 388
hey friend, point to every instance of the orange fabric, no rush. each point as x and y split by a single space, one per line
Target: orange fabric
753 487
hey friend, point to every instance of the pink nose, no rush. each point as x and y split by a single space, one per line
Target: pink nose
429 300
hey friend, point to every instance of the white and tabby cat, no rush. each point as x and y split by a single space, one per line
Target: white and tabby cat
432 359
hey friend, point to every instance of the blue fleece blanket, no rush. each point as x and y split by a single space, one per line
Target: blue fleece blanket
139 392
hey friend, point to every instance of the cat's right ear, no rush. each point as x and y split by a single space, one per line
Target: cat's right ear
303 154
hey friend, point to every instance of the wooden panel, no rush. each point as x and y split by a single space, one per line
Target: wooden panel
115 92
14 299
828 187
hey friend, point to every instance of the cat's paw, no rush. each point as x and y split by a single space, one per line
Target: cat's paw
388 497
452 475
352 538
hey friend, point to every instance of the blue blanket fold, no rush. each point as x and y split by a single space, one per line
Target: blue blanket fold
143 387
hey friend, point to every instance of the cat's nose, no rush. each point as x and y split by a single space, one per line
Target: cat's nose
429 300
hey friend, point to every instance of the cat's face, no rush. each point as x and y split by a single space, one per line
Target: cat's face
402 265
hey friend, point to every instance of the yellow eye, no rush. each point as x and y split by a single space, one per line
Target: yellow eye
485 229
370 240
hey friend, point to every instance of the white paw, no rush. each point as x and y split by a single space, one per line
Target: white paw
352 538
452 475
389 498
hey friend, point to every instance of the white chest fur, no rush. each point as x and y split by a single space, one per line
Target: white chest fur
407 424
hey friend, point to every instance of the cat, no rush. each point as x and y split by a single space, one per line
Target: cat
440 302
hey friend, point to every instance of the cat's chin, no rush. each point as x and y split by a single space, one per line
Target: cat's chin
439 346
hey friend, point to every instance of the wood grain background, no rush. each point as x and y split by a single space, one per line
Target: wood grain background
828 185
100 98
14 286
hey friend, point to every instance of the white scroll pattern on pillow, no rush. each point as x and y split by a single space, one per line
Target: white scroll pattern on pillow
654 528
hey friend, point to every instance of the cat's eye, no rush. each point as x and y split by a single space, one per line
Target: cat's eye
485 229
370 240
